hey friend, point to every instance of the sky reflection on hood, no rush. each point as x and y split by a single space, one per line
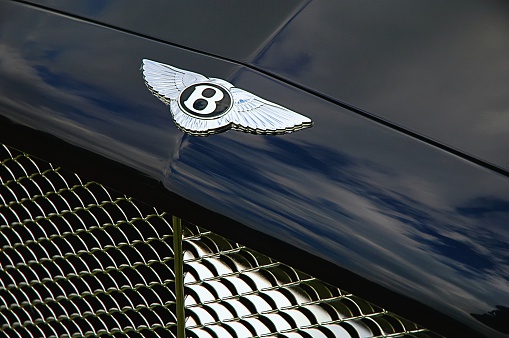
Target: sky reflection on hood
348 190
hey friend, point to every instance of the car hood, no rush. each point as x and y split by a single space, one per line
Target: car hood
229 30
433 68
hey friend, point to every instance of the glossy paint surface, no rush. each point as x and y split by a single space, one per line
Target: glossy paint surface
376 202
438 68
231 29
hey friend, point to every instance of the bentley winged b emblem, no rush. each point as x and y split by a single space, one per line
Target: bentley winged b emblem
203 106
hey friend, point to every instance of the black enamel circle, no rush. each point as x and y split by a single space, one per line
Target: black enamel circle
205 100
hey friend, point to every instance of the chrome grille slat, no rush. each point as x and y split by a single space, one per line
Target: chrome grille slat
305 306
78 259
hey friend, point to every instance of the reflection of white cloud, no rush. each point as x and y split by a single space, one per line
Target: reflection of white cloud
12 66
49 111
107 107
351 222
393 244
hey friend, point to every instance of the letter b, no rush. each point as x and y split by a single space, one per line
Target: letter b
197 94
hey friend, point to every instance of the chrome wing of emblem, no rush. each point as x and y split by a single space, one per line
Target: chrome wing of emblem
204 106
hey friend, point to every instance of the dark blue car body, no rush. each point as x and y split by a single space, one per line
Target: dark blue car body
399 192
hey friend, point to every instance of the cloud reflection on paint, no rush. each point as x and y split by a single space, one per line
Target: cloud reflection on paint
348 190
350 211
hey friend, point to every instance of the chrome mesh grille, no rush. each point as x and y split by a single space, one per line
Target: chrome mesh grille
78 259
233 291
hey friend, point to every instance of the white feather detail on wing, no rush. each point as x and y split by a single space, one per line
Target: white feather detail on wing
166 81
252 113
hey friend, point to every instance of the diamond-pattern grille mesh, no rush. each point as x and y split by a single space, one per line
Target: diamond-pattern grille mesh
233 291
78 259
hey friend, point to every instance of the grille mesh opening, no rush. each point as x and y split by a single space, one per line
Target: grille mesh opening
233 291
78 259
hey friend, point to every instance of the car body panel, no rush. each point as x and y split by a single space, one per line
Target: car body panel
230 29
437 68
371 200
